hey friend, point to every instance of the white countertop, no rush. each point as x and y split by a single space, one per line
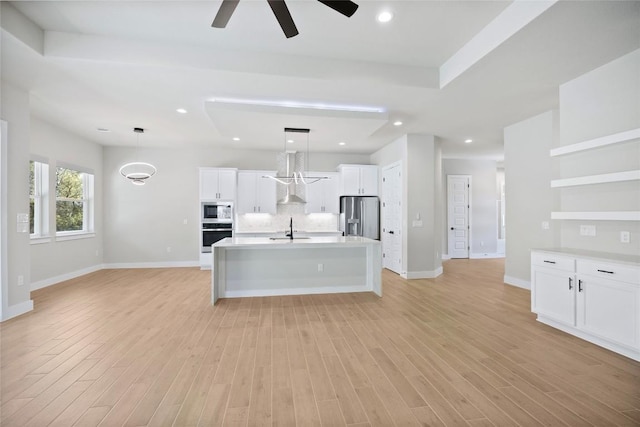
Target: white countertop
593 255
240 232
311 242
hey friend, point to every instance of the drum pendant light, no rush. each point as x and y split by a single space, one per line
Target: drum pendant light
138 172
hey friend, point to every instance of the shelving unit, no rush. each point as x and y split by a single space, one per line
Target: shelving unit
632 175
598 216
597 142
622 176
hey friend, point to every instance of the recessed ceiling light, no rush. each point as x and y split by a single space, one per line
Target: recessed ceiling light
468 141
235 138
342 143
181 111
397 123
290 141
385 16
103 130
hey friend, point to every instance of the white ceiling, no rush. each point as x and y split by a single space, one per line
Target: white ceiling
123 64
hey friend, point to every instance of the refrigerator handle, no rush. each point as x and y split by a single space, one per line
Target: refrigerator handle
362 219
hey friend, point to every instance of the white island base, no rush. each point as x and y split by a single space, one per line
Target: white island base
255 266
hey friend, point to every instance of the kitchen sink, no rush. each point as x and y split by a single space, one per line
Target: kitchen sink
288 238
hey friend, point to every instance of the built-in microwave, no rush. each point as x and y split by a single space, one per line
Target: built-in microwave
220 212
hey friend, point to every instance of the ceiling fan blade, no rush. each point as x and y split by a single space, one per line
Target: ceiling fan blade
224 13
281 11
345 7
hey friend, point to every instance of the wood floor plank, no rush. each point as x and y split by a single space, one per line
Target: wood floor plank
145 347
330 414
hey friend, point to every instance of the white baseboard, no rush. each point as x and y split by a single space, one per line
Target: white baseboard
514 281
422 274
67 276
445 257
169 264
17 309
485 255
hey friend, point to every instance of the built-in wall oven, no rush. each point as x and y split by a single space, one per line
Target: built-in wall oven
213 232
217 223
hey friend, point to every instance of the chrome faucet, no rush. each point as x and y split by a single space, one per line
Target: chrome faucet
290 234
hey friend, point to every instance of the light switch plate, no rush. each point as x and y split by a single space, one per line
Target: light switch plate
417 223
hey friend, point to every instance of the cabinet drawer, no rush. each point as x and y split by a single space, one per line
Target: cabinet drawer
544 259
611 271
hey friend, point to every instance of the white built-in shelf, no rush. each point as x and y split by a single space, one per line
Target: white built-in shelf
632 175
597 142
598 216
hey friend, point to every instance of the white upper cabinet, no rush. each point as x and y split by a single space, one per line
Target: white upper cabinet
358 180
323 196
256 194
217 184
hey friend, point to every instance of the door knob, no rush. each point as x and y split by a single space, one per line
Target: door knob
452 228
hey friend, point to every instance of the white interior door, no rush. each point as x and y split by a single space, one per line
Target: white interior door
392 218
458 187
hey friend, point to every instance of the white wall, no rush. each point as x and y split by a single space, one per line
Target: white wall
15 111
484 216
420 157
530 200
141 222
60 259
602 102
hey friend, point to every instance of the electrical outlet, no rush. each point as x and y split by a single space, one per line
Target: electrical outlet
545 225
320 268
588 230
97 252
184 221
168 248
625 237
20 280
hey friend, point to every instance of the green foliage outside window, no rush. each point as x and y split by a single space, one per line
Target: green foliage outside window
69 200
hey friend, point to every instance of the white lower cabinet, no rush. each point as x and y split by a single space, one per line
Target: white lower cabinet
595 300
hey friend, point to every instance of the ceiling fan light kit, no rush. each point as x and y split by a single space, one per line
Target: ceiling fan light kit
281 11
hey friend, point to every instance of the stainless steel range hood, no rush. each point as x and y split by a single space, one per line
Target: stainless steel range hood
291 167
291 170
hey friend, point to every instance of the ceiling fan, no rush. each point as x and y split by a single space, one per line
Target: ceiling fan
281 11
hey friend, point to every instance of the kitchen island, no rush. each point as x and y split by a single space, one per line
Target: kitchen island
262 266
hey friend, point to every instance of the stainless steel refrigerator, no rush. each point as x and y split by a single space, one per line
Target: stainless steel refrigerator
360 216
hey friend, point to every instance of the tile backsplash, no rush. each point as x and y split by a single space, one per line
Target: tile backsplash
280 221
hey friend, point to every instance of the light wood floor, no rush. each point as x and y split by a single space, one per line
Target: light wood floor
144 347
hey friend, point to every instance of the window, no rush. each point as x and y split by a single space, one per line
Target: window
38 199
74 201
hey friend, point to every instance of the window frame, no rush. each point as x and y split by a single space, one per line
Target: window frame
40 199
88 191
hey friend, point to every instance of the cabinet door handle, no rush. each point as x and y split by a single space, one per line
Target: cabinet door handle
605 271
570 283
549 262
579 285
